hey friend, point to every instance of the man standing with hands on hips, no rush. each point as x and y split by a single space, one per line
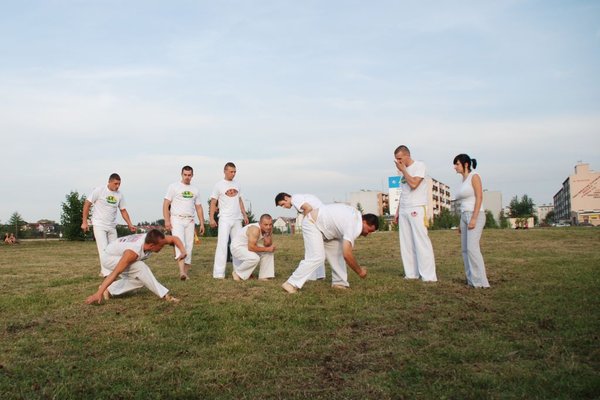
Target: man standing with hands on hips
180 204
415 247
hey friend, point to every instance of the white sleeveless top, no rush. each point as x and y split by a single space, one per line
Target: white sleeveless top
241 237
466 194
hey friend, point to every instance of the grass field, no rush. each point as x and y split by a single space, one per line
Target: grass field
533 335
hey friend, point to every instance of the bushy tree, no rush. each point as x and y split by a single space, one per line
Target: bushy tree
503 220
383 224
72 216
360 208
521 208
445 220
490 221
15 223
550 218
251 217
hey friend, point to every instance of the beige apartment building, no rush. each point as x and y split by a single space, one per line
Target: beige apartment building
578 201
438 196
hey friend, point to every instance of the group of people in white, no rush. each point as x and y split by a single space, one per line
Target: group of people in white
329 232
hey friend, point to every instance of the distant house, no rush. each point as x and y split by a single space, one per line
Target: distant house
282 225
43 225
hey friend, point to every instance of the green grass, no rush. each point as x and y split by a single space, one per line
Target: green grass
533 335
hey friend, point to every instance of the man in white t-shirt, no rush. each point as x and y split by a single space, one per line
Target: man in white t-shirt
415 246
180 205
303 204
125 257
226 195
330 235
106 201
247 253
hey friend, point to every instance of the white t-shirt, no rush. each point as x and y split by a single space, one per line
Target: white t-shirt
466 194
418 196
227 193
339 221
134 243
183 198
241 237
299 199
106 203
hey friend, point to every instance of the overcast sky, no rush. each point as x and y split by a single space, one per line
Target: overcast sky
304 96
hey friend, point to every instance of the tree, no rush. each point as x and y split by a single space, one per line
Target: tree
503 220
72 216
16 222
549 219
360 208
251 217
490 221
445 220
522 208
383 224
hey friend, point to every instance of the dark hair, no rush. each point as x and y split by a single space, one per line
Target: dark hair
464 159
371 220
229 164
265 216
114 177
403 149
187 168
154 236
281 196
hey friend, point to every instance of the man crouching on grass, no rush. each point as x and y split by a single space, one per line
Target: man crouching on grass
124 258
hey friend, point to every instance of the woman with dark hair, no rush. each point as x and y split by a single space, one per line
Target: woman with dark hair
472 220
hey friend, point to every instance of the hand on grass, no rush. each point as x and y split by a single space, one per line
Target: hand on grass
95 298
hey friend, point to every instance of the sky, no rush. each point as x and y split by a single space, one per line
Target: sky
303 96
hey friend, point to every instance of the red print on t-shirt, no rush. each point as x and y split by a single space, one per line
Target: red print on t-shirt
231 192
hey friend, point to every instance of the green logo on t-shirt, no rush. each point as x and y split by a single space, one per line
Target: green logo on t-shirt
111 199
187 194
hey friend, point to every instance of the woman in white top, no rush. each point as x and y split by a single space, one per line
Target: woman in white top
472 220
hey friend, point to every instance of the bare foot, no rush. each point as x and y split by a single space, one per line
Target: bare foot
170 299
289 288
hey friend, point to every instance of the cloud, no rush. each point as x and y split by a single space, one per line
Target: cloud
114 73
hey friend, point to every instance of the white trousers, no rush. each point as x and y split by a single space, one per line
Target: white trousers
316 250
135 276
227 228
245 261
415 247
184 229
471 252
103 237
320 271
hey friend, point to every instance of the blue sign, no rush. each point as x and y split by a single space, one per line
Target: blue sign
393 182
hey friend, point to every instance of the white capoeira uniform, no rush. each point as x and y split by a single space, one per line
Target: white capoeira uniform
137 274
469 238
184 199
415 247
324 238
227 194
245 261
104 218
297 201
